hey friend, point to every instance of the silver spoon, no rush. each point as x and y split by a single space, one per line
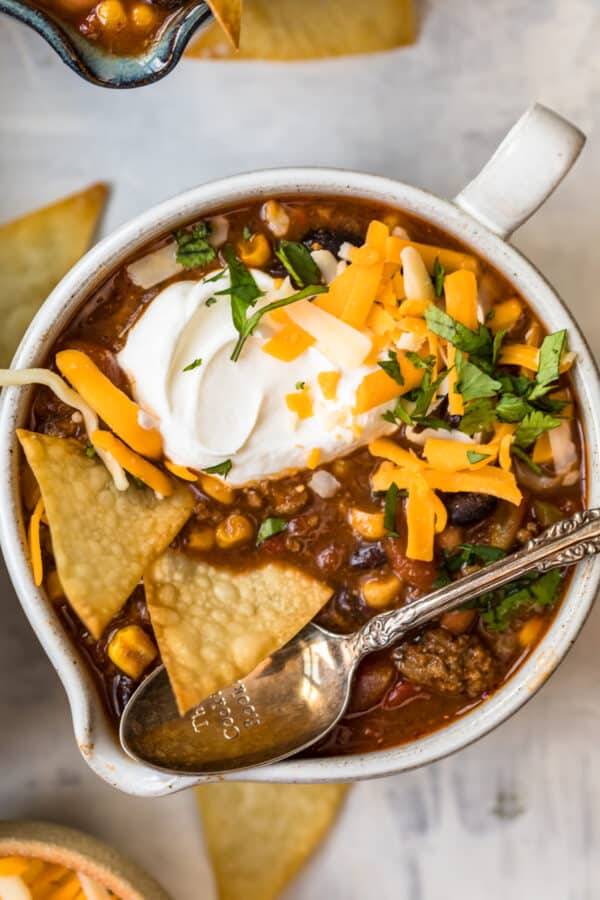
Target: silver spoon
297 695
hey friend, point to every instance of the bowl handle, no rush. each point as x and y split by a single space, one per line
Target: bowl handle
529 164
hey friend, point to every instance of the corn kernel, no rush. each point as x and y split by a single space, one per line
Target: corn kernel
111 14
201 539
54 589
368 524
143 16
234 530
450 538
132 650
341 468
530 631
256 251
379 592
217 489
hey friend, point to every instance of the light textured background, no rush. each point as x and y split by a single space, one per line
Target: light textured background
518 814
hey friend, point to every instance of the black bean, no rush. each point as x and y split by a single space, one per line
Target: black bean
327 239
343 613
276 269
465 508
454 421
369 556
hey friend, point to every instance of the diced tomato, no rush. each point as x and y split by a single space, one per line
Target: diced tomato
401 693
419 575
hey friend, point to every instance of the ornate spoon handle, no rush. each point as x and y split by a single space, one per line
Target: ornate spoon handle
563 544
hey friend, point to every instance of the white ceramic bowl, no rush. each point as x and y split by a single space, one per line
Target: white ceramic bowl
528 165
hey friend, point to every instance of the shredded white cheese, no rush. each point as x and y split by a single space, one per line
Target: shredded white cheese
22 377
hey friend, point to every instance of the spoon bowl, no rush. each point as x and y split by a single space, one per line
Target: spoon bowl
106 69
297 695
287 703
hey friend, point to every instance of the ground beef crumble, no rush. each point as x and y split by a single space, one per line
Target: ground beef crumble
448 664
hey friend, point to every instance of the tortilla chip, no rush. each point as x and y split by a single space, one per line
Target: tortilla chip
102 538
214 626
35 252
259 835
228 14
312 29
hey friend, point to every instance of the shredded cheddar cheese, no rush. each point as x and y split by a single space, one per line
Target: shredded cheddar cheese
420 518
300 403
452 456
527 356
393 452
328 382
120 413
506 314
180 471
314 457
460 292
35 547
377 387
446 467
413 307
451 260
289 343
22 377
133 463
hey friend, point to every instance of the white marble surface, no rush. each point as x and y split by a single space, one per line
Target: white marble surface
518 814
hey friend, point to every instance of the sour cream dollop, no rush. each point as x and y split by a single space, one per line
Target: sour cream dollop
223 410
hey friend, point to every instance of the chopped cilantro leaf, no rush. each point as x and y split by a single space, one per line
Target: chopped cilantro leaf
138 482
420 362
90 451
478 416
439 273
220 274
223 468
473 383
475 457
511 408
246 233
425 393
211 301
193 365
244 291
389 512
532 426
440 323
497 344
300 385
515 384
441 579
503 604
485 553
468 554
431 422
548 363
298 262
520 454
398 414
490 315
270 527
250 324
551 405
193 248
477 342
391 367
